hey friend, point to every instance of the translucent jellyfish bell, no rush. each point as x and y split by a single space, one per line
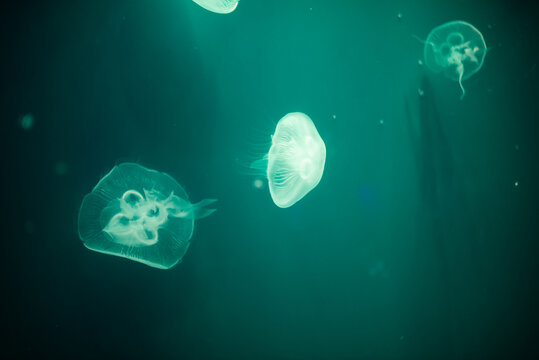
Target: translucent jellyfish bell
295 162
218 6
140 214
457 49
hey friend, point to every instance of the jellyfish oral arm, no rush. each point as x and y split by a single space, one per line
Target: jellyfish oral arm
200 210
460 70
469 53
139 219
181 208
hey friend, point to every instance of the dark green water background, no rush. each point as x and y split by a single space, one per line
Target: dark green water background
416 244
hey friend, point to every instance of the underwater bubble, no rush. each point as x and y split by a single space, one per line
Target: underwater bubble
218 6
295 162
258 184
457 49
27 121
140 214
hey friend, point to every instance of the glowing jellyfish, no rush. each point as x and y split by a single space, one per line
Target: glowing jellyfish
27 121
295 162
218 6
457 49
140 214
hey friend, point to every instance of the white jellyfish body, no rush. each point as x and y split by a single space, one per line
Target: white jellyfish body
140 214
218 6
295 161
457 49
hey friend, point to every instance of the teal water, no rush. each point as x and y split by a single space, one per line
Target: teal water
419 242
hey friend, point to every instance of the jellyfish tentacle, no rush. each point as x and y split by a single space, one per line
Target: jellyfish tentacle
260 164
118 225
423 41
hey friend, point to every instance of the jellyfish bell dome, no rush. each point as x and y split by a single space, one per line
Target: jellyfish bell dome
140 214
457 49
218 6
296 159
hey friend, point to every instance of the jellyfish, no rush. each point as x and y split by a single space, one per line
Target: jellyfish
457 49
218 6
27 121
295 161
140 214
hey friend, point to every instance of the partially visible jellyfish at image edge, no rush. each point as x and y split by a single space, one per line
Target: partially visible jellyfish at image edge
218 6
295 162
140 214
457 49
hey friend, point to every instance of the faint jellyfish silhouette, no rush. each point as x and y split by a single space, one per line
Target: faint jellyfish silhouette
457 49
295 162
140 214
218 6
27 121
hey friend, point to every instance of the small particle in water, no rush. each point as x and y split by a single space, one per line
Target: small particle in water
517 148
334 116
60 168
258 184
310 9
420 62
402 337
381 121
420 92
27 121
516 183
489 26
399 16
